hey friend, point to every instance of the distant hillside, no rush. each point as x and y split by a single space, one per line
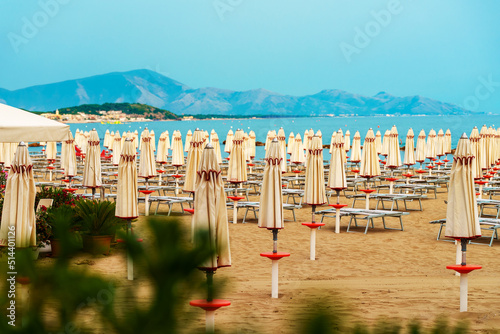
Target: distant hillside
151 88
126 108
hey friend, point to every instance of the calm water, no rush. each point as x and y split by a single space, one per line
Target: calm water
456 124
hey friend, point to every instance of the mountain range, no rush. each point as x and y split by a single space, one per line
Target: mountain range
152 88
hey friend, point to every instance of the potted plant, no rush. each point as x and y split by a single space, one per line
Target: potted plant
97 223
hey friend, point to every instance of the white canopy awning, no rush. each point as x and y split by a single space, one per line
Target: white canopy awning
18 125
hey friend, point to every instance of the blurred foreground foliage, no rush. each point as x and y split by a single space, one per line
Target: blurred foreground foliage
69 300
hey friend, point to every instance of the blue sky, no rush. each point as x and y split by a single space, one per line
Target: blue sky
447 49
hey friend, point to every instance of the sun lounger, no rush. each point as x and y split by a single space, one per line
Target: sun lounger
168 200
488 204
254 207
487 224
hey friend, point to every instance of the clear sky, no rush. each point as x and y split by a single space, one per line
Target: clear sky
443 49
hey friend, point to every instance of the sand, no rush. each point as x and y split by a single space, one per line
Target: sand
385 274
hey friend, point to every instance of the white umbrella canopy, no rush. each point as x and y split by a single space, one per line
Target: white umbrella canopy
476 151
332 139
246 140
153 139
291 141
161 152
125 135
492 146
177 149
430 151
9 149
385 143
210 213
483 148
297 156
167 142
252 137
68 159
19 201
310 135
107 134
92 166
409 158
193 160
378 142
314 191
147 164
187 144
369 160
462 220
356 148
51 150
347 141
305 141
237 170
229 141
320 135
116 147
206 138
336 175
497 140
447 142
282 141
440 143
214 141
421 149
126 195
136 139
394 156
271 200
271 134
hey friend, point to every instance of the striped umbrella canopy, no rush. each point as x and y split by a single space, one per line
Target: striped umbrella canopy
193 160
147 163
271 200
476 151
210 213
462 220
394 156
117 148
19 202
356 148
92 166
187 143
336 175
229 141
177 149
421 148
314 191
409 158
369 160
237 169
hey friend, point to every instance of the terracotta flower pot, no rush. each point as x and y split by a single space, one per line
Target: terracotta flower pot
97 244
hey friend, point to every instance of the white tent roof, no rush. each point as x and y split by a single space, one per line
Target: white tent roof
18 125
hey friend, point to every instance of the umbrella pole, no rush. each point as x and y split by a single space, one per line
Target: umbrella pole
463 279
275 240
312 254
274 269
337 213
130 263
210 314
93 193
458 256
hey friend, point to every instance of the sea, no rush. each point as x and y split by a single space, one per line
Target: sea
327 125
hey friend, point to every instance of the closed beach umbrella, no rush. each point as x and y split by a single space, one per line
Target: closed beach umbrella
474 142
51 150
430 151
497 140
492 146
462 220
409 158
447 142
246 140
92 166
297 156
385 143
9 150
347 141
177 149
153 139
117 148
229 141
483 147
282 141
252 137
69 161
135 135
421 149
214 141
378 142
314 191
291 141
394 157
126 195
147 164
356 148
210 213
369 159
271 200
161 152
305 141
332 140
19 201
237 170
167 142
320 135
106 139
440 143
193 160
271 134
187 143
336 175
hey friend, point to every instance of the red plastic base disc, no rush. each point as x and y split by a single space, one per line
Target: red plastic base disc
146 192
275 256
210 306
368 191
463 269
191 211
236 198
313 225
338 206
